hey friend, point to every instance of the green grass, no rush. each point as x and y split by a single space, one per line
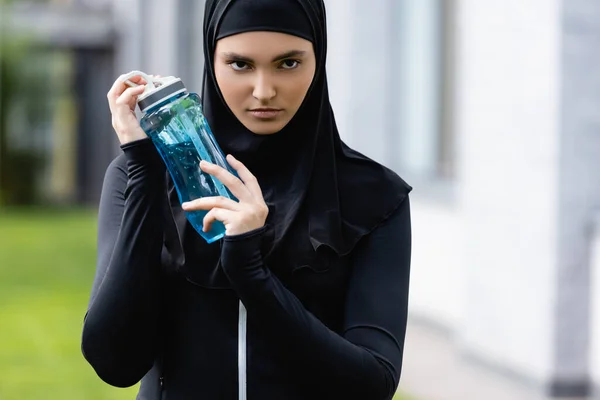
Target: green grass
402 396
46 269
47 263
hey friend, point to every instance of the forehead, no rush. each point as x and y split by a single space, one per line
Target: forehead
259 44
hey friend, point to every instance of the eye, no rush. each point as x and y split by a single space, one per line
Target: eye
238 65
290 64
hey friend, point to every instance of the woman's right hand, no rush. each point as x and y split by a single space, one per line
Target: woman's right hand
122 101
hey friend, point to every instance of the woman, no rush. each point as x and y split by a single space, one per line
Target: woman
317 250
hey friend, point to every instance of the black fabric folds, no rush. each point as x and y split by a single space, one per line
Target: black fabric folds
320 192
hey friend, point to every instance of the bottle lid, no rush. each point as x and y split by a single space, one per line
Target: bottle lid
157 89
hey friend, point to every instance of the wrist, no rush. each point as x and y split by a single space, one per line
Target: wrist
241 250
142 152
130 138
251 234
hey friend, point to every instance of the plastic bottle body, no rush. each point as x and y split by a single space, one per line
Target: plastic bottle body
181 134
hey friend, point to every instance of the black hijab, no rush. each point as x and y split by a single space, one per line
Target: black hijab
320 192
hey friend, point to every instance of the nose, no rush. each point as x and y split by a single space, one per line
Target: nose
264 88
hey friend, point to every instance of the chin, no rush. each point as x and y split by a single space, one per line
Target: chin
265 128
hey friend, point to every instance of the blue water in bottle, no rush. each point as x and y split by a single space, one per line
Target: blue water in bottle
174 122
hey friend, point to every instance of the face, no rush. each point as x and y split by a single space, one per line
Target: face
264 77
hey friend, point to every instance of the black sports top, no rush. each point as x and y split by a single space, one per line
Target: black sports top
329 331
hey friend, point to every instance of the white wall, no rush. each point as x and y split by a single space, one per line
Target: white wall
159 41
484 266
340 21
358 69
437 272
595 306
507 119
364 94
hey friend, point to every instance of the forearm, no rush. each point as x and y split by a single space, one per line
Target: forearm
121 326
347 368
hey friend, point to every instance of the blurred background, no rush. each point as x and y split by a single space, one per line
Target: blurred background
490 109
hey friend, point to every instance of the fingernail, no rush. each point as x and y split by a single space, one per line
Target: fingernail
185 205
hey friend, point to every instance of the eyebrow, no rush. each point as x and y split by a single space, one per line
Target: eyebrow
239 57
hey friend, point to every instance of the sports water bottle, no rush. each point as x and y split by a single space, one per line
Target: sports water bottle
173 119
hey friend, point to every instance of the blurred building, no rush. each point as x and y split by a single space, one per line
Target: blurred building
490 109
86 45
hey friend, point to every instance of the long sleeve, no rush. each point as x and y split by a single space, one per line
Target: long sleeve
120 330
365 360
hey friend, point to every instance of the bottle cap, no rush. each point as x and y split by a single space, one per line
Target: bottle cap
157 89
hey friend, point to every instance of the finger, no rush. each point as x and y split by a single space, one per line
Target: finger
246 176
129 97
130 93
208 203
236 186
119 86
134 81
113 94
216 214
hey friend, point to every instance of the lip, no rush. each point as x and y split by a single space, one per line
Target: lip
265 113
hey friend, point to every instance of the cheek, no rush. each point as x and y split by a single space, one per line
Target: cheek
300 87
230 87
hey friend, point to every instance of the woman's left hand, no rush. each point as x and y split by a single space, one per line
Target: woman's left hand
248 214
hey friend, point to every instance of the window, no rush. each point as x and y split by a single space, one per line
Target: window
190 61
423 54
